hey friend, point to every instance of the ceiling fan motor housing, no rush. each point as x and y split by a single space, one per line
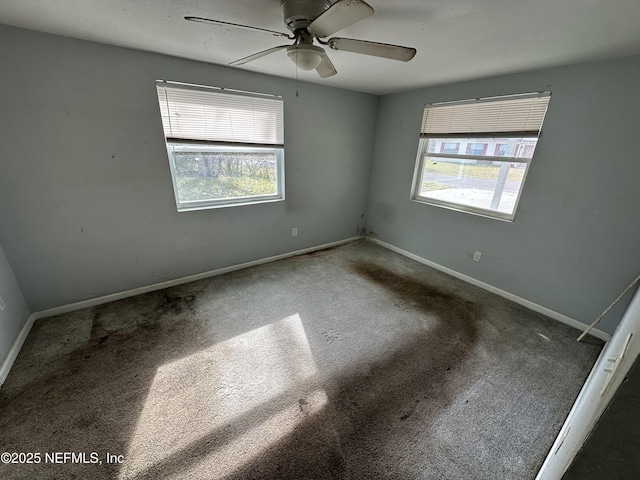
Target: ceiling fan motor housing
298 14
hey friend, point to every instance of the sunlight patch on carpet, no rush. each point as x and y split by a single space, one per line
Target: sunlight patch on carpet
226 404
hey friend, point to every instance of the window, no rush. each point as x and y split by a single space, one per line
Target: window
476 148
450 147
225 147
498 136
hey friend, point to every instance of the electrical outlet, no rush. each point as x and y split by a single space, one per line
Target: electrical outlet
476 256
2 304
294 232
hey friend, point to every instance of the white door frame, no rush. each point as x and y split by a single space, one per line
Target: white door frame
612 366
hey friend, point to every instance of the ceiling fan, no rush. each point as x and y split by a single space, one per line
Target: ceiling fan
311 20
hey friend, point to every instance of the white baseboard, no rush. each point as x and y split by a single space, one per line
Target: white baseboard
510 296
17 344
15 348
92 302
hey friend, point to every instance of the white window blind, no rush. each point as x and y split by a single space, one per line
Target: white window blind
517 114
201 113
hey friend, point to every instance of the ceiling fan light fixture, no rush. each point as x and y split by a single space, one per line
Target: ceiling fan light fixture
305 57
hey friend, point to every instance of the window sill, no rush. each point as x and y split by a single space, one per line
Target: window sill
228 204
465 209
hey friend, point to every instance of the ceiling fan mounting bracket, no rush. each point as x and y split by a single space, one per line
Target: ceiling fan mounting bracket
298 14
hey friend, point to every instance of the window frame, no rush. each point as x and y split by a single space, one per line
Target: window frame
423 155
183 143
417 180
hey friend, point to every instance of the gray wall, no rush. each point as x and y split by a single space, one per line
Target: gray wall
87 202
16 311
576 241
87 208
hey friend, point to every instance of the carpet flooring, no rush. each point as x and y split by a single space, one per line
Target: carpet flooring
348 363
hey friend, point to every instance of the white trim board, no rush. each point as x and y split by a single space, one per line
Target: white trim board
92 302
490 288
15 348
610 370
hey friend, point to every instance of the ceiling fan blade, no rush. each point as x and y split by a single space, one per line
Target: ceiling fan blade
326 68
340 15
261 54
228 24
394 52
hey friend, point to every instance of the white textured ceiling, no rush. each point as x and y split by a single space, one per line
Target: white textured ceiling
456 39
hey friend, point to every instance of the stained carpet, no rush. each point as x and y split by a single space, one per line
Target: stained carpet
350 363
